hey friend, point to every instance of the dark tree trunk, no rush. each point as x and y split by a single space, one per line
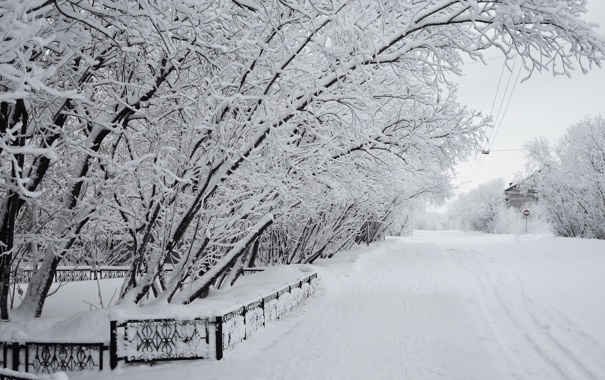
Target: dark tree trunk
10 115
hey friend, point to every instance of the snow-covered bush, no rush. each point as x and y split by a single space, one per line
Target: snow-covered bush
479 209
434 221
512 221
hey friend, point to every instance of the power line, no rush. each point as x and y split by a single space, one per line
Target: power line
502 112
503 100
518 134
475 161
507 104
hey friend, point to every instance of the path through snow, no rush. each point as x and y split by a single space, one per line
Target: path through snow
433 306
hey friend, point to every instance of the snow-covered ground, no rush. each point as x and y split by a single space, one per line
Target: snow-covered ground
74 312
437 305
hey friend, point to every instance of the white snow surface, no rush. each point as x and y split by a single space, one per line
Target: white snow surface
67 317
26 376
436 305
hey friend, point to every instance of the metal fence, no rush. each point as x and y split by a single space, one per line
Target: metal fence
86 273
40 358
68 274
152 340
159 339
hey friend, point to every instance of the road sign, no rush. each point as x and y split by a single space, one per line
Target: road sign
526 213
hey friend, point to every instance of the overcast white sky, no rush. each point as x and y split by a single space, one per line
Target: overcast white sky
541 106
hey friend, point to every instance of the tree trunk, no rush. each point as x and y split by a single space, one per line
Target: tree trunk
201 285
38 288
10 116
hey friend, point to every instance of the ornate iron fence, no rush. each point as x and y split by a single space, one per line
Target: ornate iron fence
40 358
254 315
249 271
3 356
270 307
76 274
68 274
171 339
65 357
237 325
159 339
112 273
153 340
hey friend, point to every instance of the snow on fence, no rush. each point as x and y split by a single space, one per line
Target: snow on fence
159 339
87 273
81 273
239 324
151 340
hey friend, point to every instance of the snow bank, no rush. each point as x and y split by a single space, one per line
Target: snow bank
69 325
20 375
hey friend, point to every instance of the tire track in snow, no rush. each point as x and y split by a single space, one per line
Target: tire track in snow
510 326
526 337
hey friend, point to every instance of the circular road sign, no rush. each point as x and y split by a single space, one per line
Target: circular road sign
526 212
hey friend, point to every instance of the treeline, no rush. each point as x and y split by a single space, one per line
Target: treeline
569 176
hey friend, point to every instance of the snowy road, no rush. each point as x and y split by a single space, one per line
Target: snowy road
439 305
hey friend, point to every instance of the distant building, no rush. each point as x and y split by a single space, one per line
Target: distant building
518 196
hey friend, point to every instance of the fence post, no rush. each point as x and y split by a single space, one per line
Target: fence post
219 338
245 325
113 344
16 353
262 305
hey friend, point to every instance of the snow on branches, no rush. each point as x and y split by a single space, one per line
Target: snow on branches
569 177
172 129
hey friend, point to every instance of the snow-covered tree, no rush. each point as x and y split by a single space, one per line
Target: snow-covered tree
570 178
77 78
167 122
480 208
